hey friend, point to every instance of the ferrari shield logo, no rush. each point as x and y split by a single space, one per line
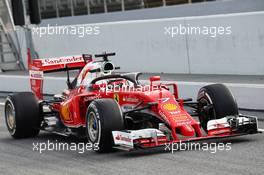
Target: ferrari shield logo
116 97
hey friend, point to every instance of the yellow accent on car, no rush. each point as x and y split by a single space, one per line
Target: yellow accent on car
116 97
169 107
65 112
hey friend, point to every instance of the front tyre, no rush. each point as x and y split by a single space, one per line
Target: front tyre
22 115
103 116
214 102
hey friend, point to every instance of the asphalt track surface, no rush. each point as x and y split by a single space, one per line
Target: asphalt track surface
17 157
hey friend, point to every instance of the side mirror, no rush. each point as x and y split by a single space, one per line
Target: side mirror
154 78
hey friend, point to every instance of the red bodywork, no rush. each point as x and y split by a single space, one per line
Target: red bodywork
169 108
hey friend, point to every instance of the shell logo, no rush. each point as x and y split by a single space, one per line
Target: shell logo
169 107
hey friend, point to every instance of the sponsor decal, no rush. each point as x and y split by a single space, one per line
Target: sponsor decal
175 112
91 98
123 138
36 74
169 107
184 122
180 118
62 60
116 97
219 125
130 99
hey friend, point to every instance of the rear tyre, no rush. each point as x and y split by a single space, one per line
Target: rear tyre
215 101
22 115
103 116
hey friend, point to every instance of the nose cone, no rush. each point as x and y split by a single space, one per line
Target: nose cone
187 130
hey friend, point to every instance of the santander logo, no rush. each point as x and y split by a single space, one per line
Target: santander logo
62 60
126 139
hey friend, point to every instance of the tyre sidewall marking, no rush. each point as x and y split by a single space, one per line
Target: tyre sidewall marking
92 108
9 102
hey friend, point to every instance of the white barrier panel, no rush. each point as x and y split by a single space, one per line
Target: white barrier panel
143 45
140 46
238 53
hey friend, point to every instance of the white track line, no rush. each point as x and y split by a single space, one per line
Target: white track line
190 83
261 130
26 77
2 103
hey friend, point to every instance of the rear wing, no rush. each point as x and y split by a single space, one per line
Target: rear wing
38 67
57 64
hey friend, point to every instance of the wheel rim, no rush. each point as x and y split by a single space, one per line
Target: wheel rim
10 117
93 127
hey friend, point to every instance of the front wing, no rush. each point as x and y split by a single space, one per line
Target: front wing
230 126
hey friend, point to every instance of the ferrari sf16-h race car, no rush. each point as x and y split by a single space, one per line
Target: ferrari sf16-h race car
117 110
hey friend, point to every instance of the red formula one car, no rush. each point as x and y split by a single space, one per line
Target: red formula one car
119 111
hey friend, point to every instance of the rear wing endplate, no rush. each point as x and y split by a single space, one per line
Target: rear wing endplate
38 67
